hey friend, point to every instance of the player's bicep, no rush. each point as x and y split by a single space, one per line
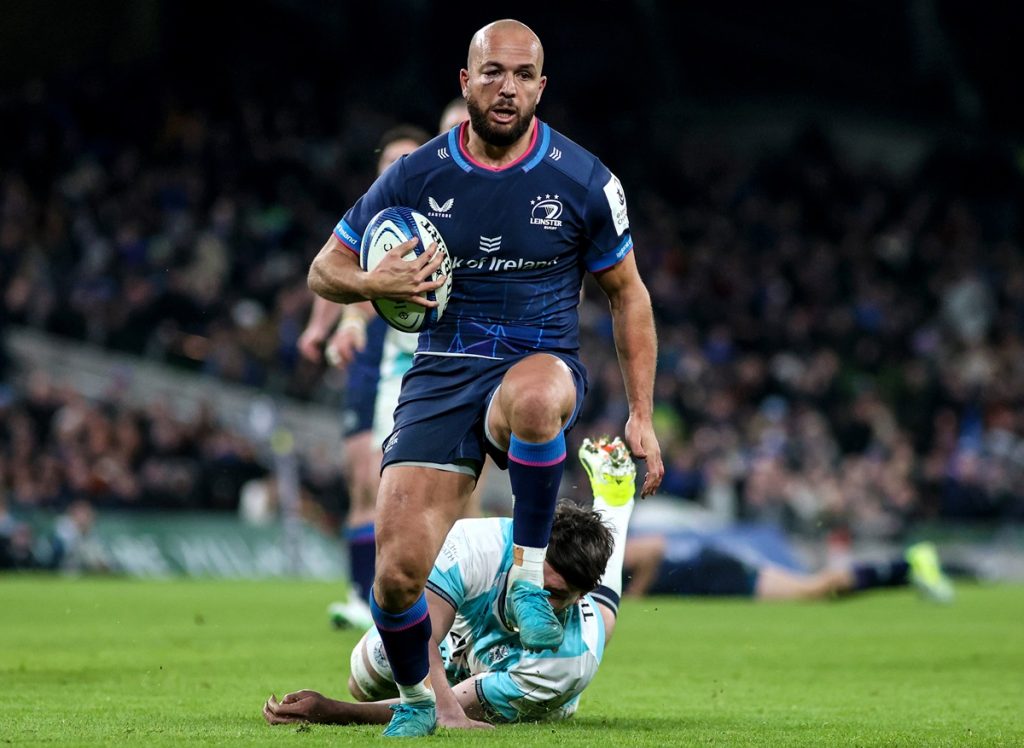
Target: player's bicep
606 222
621 280
442 615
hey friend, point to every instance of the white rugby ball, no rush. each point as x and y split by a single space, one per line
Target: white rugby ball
388 229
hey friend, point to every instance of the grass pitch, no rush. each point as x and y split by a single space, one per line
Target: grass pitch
113 661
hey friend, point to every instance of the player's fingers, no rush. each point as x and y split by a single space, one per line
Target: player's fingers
422 300
341 351
291 698
428 255
431 265
309 350
401 249
273 718
423 276
655 472
333 357
270 709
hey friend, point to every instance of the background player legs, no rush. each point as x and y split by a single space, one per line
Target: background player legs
362 466
774 583
646 560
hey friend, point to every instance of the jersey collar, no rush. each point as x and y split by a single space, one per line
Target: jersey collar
533 155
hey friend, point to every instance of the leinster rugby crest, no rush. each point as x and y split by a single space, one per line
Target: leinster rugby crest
546 211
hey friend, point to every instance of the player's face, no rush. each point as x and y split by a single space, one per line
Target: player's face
503 85
561 594
394 151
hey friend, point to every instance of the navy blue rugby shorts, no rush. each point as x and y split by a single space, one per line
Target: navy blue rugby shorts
360 399
439 421
710 572
363 377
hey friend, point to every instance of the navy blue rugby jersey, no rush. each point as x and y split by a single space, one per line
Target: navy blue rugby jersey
520 238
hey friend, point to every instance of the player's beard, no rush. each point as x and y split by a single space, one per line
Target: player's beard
492 135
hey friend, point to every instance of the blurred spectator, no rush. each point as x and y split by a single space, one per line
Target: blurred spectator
57 448
840 348
17 550
75 547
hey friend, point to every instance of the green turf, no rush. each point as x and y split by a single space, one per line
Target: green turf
108 661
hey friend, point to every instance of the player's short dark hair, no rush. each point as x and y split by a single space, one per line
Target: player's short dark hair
417 135
580 546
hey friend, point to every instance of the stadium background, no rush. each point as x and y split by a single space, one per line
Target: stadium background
826 203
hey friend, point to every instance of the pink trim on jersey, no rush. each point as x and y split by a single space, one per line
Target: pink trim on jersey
529 149
548 463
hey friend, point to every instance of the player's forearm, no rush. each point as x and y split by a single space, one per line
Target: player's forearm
446 701
333 712
324 315
637 346
337 277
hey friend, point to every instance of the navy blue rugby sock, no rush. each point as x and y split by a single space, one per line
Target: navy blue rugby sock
405 636
535 472
362 552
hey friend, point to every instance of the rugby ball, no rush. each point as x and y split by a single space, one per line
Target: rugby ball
388 229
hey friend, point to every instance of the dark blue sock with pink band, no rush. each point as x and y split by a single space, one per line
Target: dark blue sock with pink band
405 636
535 472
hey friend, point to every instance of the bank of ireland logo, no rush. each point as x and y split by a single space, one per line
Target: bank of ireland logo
546 211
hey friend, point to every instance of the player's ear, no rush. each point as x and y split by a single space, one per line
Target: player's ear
543 83
464 82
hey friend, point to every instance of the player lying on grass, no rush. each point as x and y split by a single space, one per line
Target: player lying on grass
659 564
480 671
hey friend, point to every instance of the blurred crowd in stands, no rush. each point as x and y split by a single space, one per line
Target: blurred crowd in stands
841 347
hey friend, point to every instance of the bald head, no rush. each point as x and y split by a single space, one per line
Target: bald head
507 32
502 83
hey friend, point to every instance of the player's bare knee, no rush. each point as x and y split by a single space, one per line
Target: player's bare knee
398 585
537 413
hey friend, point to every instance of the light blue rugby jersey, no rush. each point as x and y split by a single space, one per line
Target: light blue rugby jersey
470 574
538 223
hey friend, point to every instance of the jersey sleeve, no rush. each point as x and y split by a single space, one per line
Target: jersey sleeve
385 192
468 562
541 689
607 221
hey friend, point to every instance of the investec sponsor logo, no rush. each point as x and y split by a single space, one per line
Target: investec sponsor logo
546 211
501 265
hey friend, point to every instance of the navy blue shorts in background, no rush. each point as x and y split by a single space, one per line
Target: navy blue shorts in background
710 572
361 386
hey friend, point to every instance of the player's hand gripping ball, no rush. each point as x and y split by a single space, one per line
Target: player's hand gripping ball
389 228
